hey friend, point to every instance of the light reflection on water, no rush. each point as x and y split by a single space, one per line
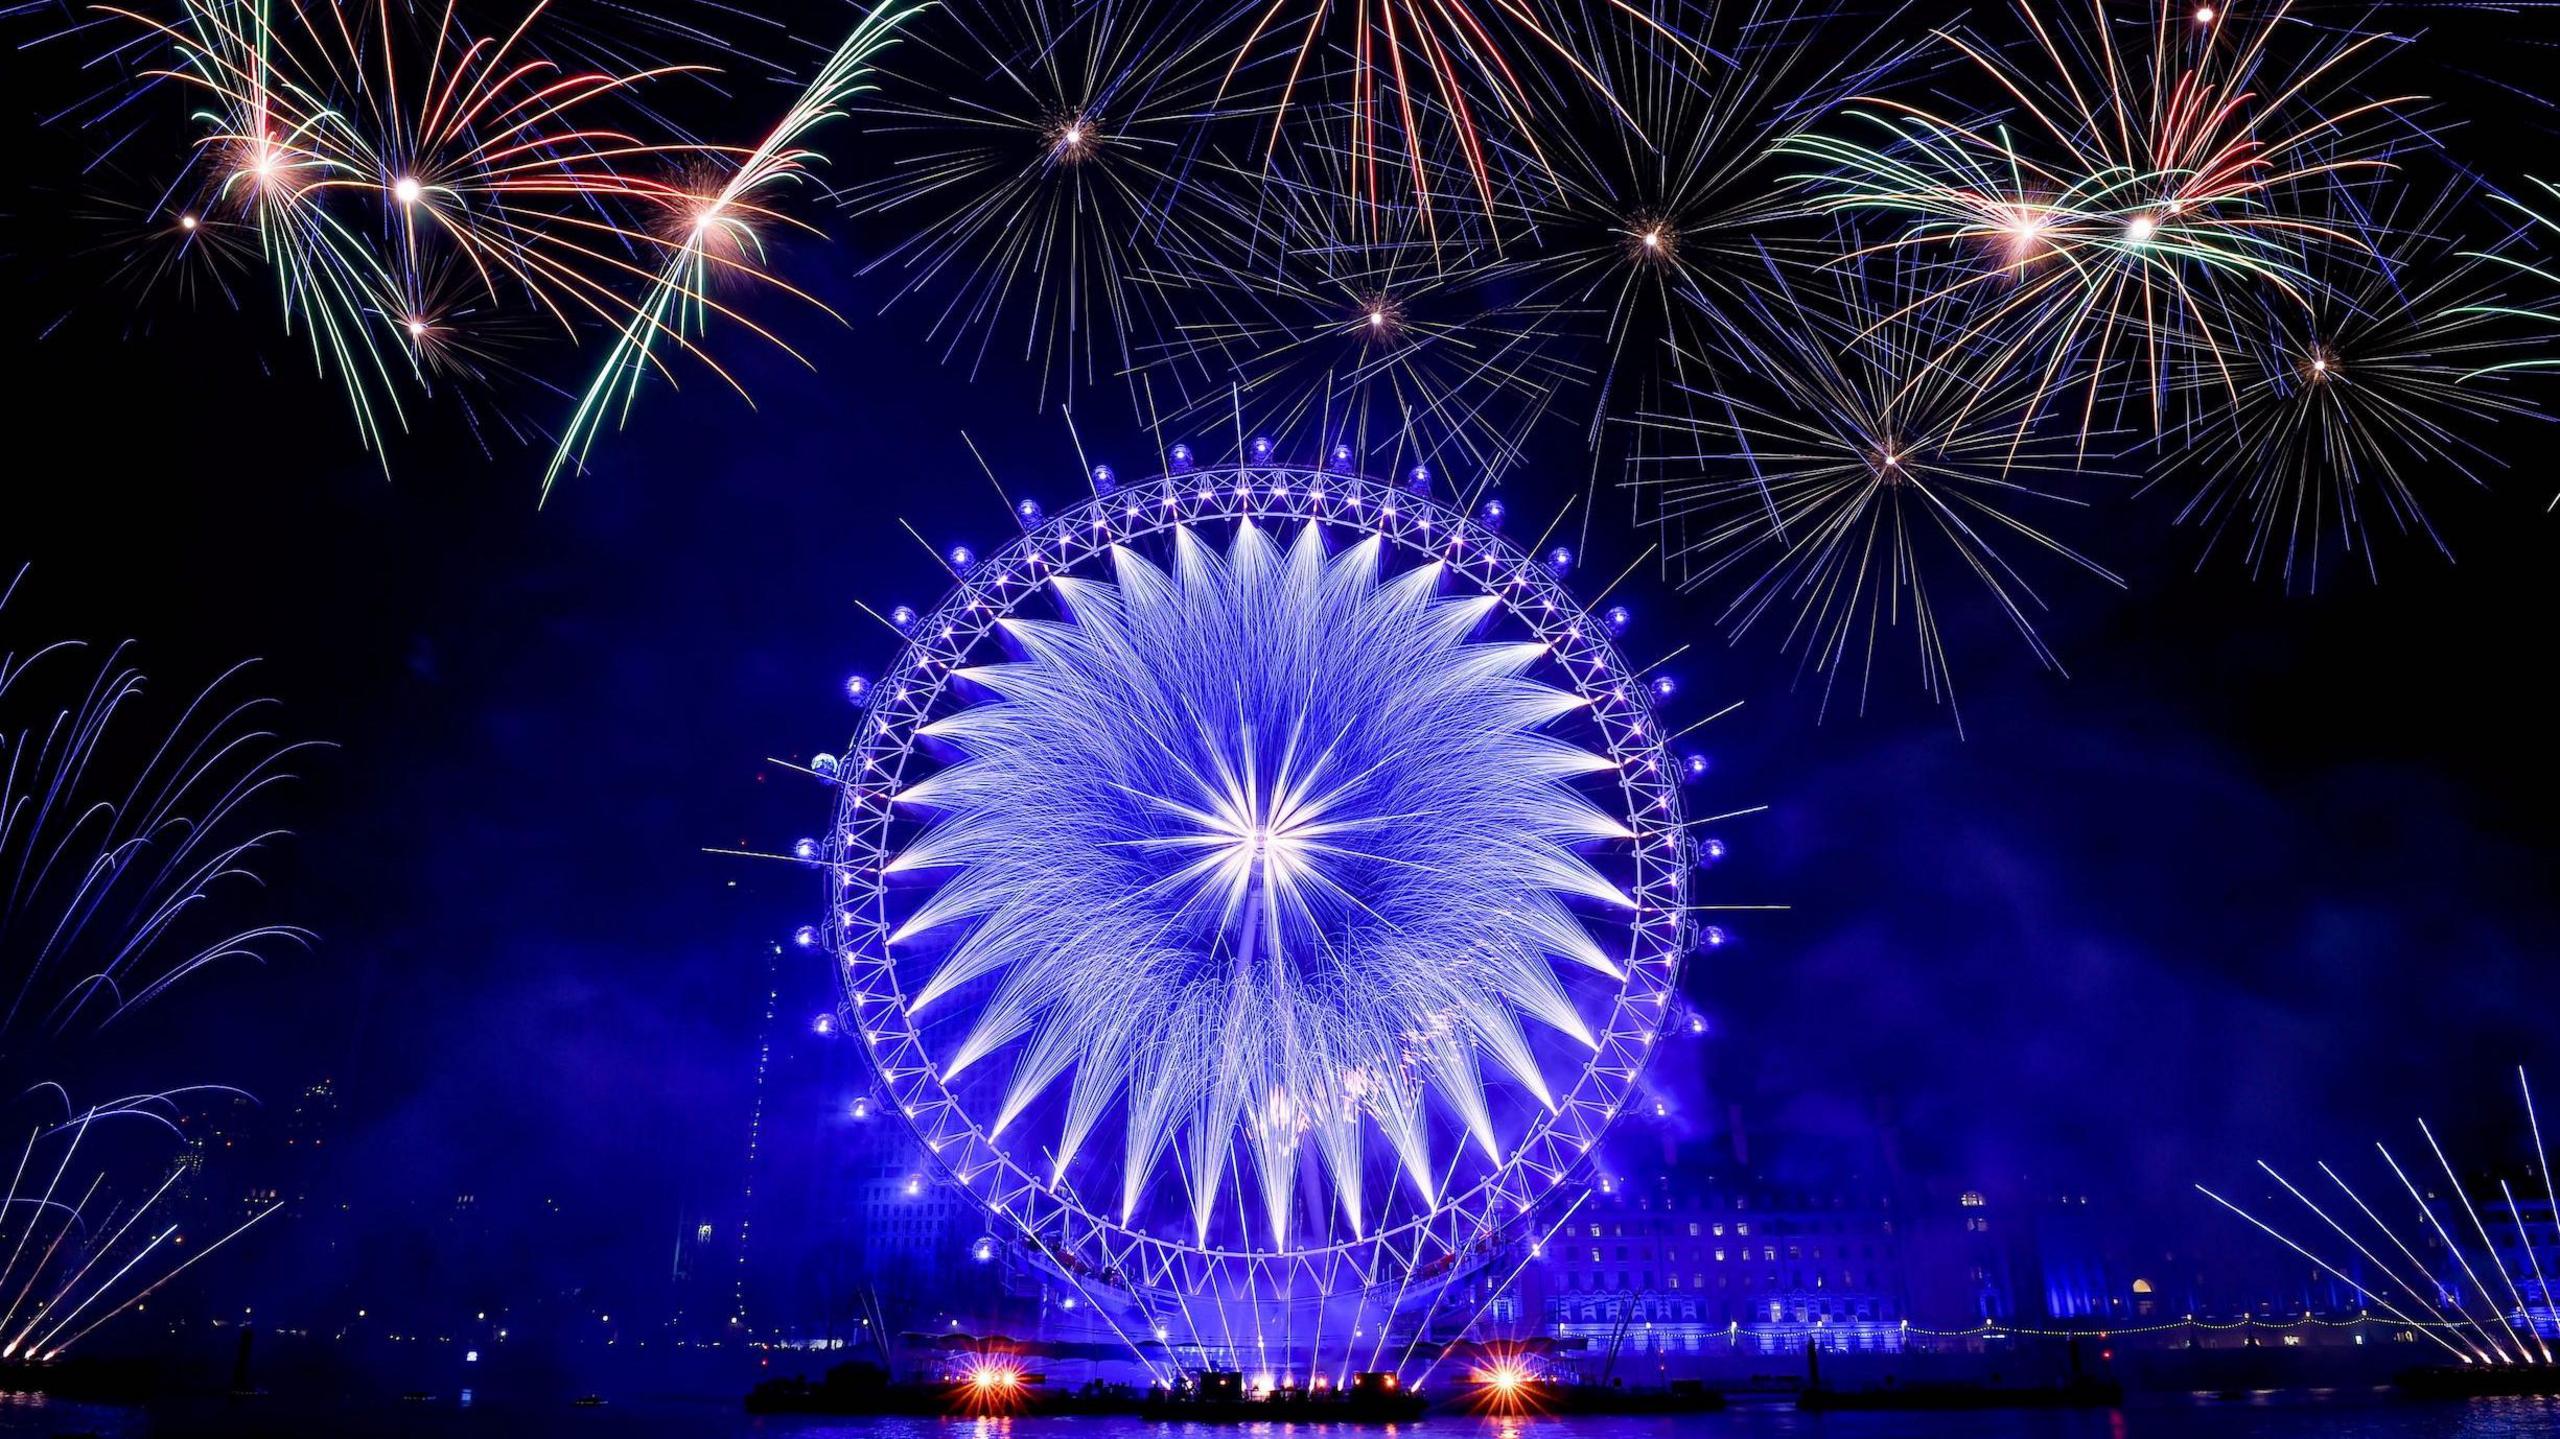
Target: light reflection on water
2342 1415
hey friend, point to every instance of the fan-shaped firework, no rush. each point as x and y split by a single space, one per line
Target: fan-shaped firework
115 835
121 841
1036 164
81 1254
2494 1320
1275 918
1867 465
2128 206
2386 380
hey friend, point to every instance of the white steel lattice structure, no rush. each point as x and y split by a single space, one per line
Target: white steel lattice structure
1345 1151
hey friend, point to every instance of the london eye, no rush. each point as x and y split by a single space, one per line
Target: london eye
1259 883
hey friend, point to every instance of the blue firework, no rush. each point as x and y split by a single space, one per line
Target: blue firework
1263 851
1258 883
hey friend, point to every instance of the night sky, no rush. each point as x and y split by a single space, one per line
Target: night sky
2263 876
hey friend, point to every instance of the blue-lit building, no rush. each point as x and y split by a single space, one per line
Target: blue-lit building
1688 1248
2524 1243
1691 1260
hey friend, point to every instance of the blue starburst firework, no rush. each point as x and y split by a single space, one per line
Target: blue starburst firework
1259 882
1308 854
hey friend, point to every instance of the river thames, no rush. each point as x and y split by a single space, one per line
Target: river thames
2347 1415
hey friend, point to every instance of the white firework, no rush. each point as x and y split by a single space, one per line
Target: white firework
1265 852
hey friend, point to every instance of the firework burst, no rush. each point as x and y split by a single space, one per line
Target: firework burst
1651 228
2130 195
172 254
1037 163
409 182
717 233
2381 384
116 836
1390 347
1862 467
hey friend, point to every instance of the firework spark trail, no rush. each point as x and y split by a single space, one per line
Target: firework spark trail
1513 1277
2541 1285
105 868
2541 1161
118 840
1418 81
73 1271
2454 1182
2123 206
2416 1264
2415 1292
2544 314
1867 457
2333 1272
2519 1326
2350 403
2443 1235
720 228
54 1343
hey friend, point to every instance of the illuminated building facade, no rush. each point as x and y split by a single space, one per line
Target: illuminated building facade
1696 1251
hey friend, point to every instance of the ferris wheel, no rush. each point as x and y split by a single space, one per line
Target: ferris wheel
1259 881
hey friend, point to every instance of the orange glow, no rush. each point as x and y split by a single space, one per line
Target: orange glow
1505 1385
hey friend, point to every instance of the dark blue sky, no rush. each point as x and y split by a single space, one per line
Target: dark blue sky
2266 875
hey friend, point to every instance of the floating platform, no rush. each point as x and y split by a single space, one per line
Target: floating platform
1219 1397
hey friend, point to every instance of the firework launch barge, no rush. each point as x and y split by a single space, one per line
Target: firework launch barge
1220 1397
1001 1389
